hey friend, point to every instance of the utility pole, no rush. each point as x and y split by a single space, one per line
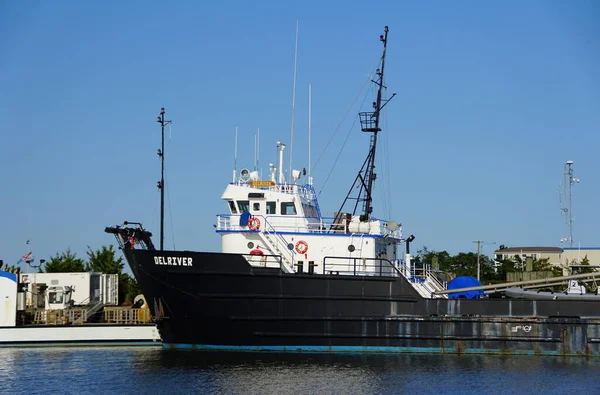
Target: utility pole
569 180
479 243
161 183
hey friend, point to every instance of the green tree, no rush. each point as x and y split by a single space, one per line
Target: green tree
505 266
65 262
104 261
130 287
436 259
544 265
593 286
489 274
585 262
425 255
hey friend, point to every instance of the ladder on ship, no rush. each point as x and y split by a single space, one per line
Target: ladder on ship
427 282
278 243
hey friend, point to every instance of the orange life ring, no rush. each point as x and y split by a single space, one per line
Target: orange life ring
301 247
254 223
256 256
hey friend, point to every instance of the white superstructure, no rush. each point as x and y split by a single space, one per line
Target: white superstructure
82 289
279 224
275 219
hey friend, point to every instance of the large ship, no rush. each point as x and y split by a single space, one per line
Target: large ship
289 279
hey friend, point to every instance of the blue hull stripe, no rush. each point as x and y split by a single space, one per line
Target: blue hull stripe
358 349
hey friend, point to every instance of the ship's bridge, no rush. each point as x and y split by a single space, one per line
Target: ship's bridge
291 208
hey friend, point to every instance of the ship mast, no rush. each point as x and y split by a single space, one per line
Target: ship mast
369 122
161 183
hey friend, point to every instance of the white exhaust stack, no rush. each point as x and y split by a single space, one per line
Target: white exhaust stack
280 148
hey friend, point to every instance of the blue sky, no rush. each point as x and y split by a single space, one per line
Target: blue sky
492 99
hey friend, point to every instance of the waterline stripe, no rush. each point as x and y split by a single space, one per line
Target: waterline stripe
359 349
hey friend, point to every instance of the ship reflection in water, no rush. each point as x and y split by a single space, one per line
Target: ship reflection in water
151 370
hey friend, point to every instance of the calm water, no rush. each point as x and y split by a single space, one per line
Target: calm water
154 370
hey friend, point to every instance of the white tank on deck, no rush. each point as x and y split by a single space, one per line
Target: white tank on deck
8 299
369 227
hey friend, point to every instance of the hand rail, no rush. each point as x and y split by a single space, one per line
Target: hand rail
364 265
271 230
433 277
324 225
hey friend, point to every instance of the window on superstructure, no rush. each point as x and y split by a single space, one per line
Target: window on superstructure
243 205
288 208
55 297
232 207
271 207
256 207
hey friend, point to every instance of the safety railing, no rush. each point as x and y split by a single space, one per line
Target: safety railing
428 288
77 316
71 316
299 224
306 191
357 266
435 277
424 278
427 280
126 315
278 242
406 271
267 260
426 271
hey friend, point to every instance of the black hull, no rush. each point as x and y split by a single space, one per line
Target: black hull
219 301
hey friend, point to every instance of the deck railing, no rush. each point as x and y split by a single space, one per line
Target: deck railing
264 260
299 224
357 266
126 315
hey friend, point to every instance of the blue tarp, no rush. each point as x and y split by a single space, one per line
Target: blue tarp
244 218
464 282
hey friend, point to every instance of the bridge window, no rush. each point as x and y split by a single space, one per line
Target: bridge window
243 205
232 207
271 207
309 211
288 208
255 207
